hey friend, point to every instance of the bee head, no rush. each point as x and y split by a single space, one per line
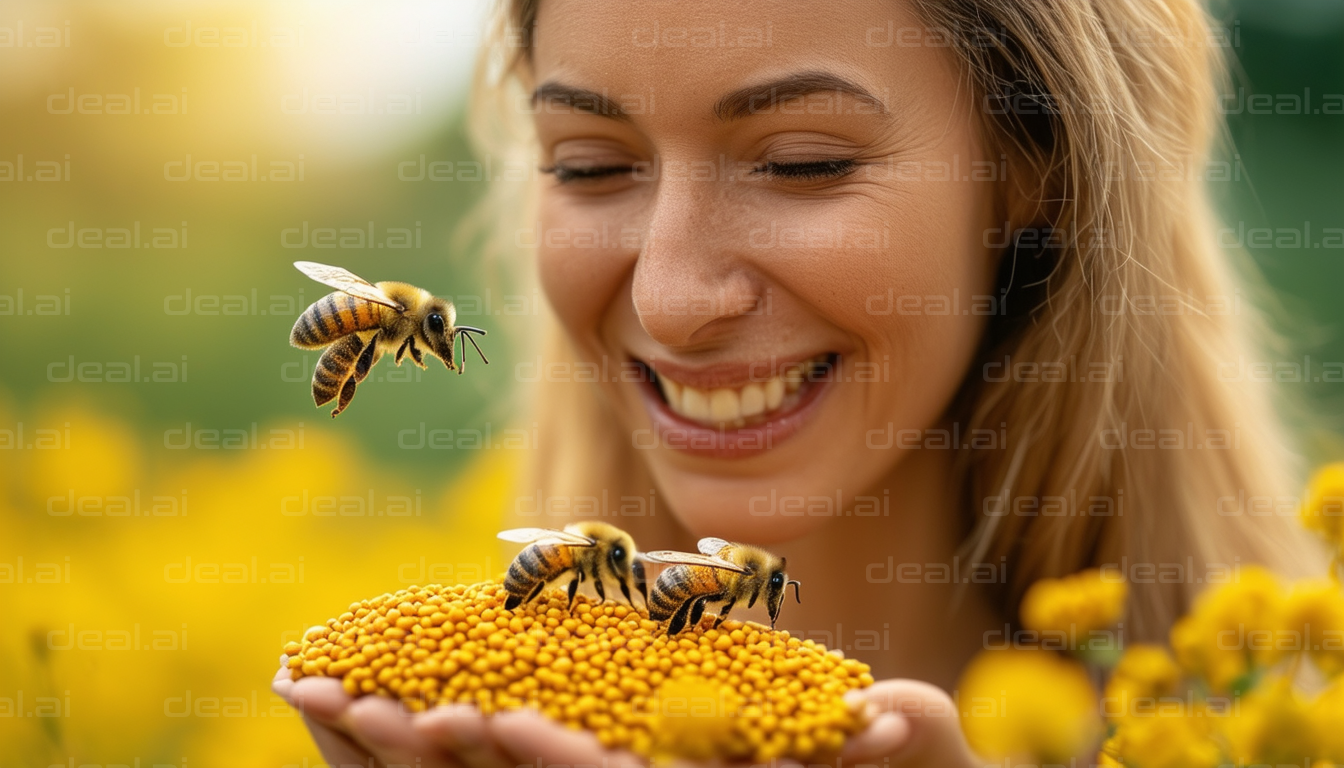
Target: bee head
776 582
438 329
620 554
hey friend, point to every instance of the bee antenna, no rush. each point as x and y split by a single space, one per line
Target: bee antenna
796 596
466 332
461 364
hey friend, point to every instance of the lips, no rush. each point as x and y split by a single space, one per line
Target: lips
732 411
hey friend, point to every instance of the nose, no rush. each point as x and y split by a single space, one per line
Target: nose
689 279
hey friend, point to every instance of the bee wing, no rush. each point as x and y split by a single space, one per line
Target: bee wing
349 282
710 546
669 557
548 535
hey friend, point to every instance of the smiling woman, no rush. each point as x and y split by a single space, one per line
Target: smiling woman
836 289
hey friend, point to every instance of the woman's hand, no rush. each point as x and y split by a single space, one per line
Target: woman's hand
913 724
373 728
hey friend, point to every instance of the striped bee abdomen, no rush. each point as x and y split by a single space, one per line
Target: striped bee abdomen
335 367
677 584
536 565
333 316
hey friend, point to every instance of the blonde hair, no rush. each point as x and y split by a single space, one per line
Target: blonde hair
1094 102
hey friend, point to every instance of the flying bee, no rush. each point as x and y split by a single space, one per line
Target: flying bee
723 572
361 321
585 549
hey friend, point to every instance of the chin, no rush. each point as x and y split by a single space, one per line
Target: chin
753 510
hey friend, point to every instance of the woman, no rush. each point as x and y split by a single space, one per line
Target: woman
900 289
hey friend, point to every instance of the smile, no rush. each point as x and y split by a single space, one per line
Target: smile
732 411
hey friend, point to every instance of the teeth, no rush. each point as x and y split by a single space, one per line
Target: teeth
753 400
671 389
774 393
724 405
733 406
694 404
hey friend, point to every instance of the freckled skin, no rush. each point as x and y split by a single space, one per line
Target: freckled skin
823 252
832 259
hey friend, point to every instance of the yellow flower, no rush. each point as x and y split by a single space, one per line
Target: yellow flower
1323 508
1314 619
1232 629
1028 704
1145 673
1075 604
1269 725
1169 736
99 457
1105 757
1327 719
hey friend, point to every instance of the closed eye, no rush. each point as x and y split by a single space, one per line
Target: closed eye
816 169
567 173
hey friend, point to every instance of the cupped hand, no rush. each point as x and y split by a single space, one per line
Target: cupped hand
373 730
912 724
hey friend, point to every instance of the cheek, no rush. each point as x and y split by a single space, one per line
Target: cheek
899 267
583 258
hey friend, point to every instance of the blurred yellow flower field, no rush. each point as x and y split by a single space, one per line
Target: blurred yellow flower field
158 587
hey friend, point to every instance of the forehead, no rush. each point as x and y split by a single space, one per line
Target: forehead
665 57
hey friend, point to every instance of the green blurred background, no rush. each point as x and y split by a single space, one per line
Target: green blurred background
150 632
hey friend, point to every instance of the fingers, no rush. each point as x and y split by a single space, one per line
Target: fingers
336 747
919 719
282 683
357 731
463 732
886 733
321 698
384 728
526 736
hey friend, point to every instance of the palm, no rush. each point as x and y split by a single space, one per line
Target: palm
373 730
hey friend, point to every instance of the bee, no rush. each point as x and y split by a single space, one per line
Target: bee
585 549
723 572
361 321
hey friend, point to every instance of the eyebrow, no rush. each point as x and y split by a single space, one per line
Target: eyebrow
579 99
754 99
744 102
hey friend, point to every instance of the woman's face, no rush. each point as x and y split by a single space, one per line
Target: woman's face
766 232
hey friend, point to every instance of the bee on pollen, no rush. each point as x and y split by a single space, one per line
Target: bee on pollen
724 572
361 321
585 549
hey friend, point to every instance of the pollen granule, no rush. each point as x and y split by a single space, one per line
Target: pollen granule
742 691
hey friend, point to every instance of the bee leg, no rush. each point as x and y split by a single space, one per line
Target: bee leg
698 610
516 600
333 376
723 612
333 368
601 592
641 584
535 591
574 589
401 351
347 394
416 354
625 590
678 622
367 358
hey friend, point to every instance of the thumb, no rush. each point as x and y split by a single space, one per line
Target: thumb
911 722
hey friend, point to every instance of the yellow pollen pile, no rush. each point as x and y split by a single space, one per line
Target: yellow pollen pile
741 692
